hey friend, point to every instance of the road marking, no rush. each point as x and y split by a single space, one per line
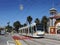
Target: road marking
18 42
10 43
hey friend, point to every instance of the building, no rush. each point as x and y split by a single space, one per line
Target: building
54 22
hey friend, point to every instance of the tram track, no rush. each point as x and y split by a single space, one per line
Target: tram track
33 42
51 40
31 39
38 42
45 42
29 43
26 42
48 41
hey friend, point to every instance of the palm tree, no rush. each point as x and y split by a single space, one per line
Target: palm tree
29 19
37 21
17 25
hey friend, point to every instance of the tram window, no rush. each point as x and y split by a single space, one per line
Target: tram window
40 27
23 30
29 29
34 28
26 31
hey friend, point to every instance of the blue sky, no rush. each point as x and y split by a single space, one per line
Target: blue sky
10 10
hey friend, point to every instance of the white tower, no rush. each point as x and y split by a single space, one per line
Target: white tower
53 12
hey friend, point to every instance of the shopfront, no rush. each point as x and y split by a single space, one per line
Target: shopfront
58 27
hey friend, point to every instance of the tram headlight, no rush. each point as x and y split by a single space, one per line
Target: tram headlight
41 33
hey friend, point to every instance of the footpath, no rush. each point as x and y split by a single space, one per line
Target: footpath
53 36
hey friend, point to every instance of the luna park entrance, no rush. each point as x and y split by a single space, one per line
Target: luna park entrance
58 29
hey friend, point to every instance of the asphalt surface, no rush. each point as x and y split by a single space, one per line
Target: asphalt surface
37 41
48 40
53 36
5 38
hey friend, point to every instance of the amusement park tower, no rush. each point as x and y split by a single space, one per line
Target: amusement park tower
53 12
52 20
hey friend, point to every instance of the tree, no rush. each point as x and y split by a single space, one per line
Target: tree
25 24
16 25
37 21
29 19
8 27
44 22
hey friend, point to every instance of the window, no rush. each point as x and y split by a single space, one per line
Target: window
34 29
30 29
39 27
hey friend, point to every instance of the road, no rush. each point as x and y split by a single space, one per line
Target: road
53 36
39 42
3 40
6 38
34 41
24 40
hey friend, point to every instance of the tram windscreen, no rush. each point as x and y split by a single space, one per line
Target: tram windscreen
40 27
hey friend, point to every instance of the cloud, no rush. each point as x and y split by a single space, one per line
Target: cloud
21 7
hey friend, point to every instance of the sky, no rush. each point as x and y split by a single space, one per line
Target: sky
18 10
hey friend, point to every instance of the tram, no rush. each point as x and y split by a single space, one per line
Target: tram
33 30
